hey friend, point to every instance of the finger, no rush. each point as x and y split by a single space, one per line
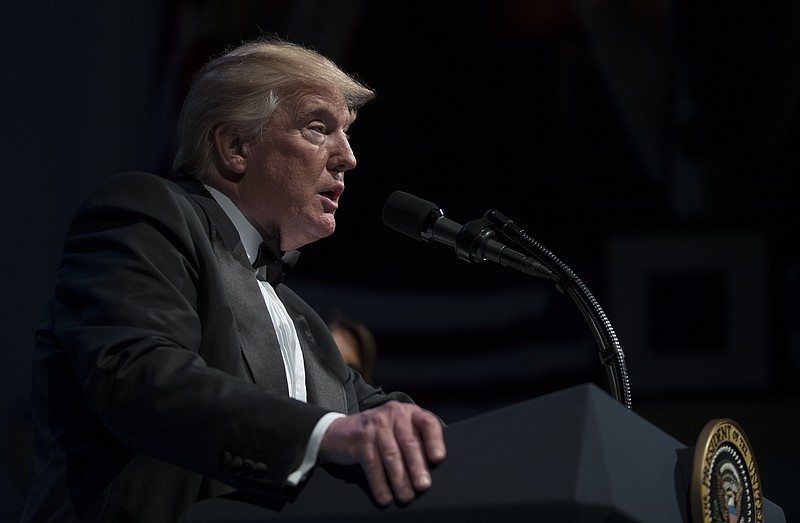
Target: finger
394 464
414 458
430 432
376 476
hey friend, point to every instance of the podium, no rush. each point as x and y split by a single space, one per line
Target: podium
576 455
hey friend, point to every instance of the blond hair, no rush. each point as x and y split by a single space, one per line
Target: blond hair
243 87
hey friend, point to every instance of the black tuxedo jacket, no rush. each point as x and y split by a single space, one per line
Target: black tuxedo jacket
158 378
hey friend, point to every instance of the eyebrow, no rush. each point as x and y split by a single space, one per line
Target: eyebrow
321 108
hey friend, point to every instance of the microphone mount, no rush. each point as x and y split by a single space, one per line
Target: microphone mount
471 240
474 242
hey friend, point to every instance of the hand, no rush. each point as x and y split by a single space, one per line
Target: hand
393 443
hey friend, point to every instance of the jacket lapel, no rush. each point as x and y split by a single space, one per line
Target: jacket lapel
259 343
322 385
260 347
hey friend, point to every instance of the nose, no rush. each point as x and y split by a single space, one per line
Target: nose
342 158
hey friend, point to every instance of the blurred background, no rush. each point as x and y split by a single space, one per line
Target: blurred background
653 146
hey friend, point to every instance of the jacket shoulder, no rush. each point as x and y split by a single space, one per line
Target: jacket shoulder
128 194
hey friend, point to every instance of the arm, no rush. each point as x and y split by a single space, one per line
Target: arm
131 312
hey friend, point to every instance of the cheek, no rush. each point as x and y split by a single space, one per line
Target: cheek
282 179
301 171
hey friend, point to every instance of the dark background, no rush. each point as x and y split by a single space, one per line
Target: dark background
651 145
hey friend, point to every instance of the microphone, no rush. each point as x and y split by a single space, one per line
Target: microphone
473 242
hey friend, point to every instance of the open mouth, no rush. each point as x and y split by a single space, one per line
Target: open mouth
330 200
333 194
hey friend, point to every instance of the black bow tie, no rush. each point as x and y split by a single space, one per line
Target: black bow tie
271 264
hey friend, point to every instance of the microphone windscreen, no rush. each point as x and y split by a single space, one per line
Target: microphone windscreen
408 214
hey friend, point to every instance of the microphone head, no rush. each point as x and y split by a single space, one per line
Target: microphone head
410 215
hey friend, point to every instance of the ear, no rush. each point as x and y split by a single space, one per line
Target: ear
231 149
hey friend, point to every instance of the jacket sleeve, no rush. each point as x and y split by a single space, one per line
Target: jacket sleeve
127 314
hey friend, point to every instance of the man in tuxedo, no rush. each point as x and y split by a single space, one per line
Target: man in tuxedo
174 364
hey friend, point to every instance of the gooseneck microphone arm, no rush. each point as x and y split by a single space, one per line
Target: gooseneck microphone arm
611 354
475 242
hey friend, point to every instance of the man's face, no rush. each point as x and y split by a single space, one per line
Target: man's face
295 170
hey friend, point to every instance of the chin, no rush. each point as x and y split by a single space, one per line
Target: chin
310 235
326 227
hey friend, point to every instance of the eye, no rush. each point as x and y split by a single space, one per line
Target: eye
318 127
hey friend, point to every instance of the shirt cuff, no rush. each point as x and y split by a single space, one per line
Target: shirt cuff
310 457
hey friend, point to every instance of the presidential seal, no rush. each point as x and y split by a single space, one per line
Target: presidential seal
726 487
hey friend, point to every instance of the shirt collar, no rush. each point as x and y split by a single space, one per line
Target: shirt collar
249 235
